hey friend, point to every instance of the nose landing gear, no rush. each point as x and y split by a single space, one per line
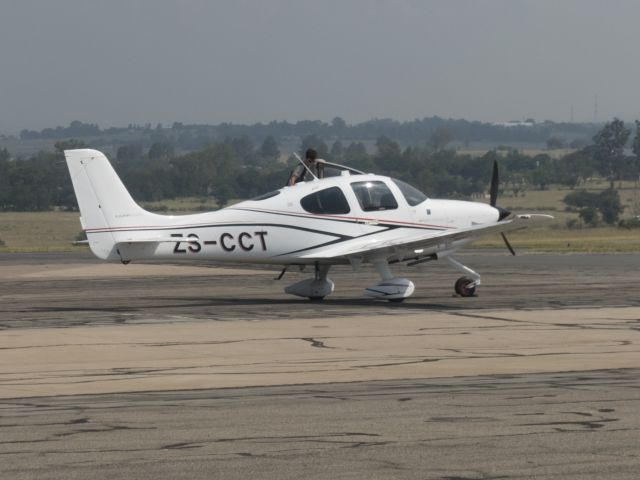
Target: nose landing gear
465 286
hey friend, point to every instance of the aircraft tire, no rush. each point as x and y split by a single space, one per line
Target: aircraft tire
464 287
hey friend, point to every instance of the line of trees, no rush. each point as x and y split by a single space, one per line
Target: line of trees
235 167
434 131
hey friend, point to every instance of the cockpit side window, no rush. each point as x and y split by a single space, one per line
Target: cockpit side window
412 195
328 201
374 196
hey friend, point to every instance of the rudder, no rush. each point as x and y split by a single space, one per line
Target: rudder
105 204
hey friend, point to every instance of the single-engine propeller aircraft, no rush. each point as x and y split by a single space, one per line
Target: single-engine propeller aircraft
352 218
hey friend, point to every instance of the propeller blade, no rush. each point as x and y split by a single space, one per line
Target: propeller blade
506 242
495 180
493 198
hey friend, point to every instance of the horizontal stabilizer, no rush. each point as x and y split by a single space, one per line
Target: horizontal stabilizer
155 240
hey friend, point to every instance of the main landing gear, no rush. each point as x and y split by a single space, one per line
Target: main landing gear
394 289
315 288
465 286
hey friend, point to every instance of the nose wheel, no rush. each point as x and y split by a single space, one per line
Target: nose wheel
465 287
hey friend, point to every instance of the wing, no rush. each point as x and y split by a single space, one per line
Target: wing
418 244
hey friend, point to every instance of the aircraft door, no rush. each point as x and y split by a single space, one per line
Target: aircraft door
376 201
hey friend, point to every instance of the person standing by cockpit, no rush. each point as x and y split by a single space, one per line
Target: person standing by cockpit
312 162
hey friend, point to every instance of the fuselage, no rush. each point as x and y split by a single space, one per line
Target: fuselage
286 225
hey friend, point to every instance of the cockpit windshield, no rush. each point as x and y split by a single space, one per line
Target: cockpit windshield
412 195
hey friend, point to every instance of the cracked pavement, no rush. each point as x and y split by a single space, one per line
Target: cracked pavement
167 372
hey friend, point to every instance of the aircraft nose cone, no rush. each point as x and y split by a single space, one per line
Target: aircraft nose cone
502 213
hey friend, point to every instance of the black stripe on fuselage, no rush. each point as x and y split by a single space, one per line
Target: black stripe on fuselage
346 220
215 225
339 240
382 227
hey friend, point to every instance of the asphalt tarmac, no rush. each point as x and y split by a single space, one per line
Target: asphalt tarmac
63 290
536 377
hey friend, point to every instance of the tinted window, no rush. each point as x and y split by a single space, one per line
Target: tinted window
330 200
374 196
411 194
267 195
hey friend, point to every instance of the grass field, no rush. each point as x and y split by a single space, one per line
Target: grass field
588 240
183 205
38 231
55 232
551 199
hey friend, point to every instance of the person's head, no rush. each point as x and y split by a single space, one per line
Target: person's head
311 155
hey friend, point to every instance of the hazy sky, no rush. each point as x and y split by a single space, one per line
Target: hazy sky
209 61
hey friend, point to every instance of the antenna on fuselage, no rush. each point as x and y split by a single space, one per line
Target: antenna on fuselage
305 165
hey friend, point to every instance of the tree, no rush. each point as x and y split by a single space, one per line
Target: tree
554 143
338 125
388 154
575 167
161 151
589 216
269 149
129 153
337 151
606 202
581 199
223 193
243 149
544 174
610 206
440 138
636 149
315 142
356 156
609 148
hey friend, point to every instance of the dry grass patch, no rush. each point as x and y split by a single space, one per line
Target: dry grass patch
55 231
39 231
587 240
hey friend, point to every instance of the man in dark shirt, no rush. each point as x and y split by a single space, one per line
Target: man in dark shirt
311 161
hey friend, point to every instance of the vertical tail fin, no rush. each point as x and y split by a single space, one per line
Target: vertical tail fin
105 203
102 197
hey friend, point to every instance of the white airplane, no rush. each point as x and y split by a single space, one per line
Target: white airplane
353 218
